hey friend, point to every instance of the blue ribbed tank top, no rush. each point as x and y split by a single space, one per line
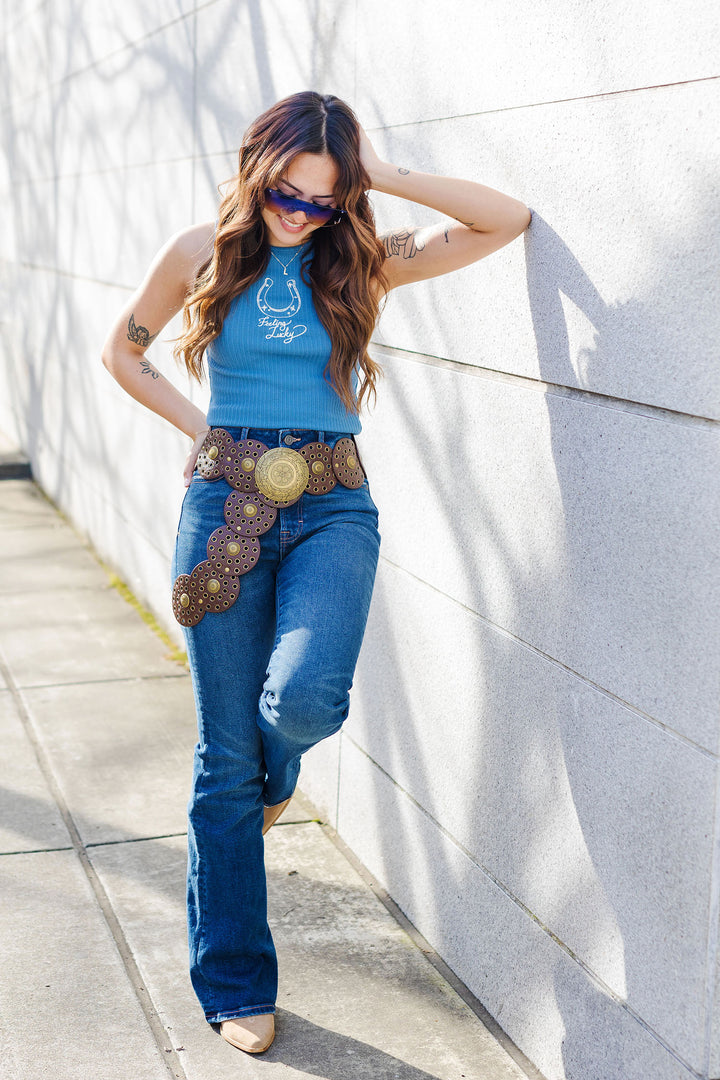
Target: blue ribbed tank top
267 364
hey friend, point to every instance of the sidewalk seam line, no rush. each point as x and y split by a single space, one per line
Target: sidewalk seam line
168 1055
30 687
134 840
35 851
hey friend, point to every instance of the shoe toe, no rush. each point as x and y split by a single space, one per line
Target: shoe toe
272 813
253 1034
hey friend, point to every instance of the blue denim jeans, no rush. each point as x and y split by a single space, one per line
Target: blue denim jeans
271 678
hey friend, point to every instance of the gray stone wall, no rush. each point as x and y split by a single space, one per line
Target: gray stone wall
531 764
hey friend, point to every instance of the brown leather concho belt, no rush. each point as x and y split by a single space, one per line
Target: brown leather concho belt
263 481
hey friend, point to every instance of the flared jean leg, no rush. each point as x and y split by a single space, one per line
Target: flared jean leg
233 965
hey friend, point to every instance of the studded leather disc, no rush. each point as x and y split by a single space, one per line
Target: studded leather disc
231 552
240 461
249 514
346 465
184 601
215 591
319 459
210 462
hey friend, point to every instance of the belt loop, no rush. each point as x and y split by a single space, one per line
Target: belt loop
244 433
321 436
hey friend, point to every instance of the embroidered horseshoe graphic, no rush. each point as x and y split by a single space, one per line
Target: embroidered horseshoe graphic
287 312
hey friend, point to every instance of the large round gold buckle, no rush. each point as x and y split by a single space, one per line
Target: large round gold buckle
282 474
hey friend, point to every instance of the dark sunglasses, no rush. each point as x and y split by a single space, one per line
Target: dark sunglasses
316 215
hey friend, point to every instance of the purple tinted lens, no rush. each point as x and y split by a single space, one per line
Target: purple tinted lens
316 215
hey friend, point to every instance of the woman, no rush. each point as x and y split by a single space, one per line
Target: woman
277 543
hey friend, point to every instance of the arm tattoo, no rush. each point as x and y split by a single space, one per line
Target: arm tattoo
146 368
139 334
403 172
403 243
468 223
447 238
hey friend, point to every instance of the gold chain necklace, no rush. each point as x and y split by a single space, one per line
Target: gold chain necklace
289 263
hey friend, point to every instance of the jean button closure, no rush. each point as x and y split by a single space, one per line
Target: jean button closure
290 439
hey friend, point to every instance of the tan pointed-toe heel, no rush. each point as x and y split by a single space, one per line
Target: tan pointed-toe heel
272 813
253 1034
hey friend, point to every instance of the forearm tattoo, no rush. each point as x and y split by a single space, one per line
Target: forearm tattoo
139 334
146 368
404 243
404 172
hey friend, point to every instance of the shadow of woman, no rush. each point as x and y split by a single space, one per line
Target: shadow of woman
317 1051
632 618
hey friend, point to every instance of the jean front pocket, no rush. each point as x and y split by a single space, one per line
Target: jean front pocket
202 512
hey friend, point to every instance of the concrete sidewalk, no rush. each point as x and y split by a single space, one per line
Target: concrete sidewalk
97 735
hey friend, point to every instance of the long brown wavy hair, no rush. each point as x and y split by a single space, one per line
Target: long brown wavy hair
345 274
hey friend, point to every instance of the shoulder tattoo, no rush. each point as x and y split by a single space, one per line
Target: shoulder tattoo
139 334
